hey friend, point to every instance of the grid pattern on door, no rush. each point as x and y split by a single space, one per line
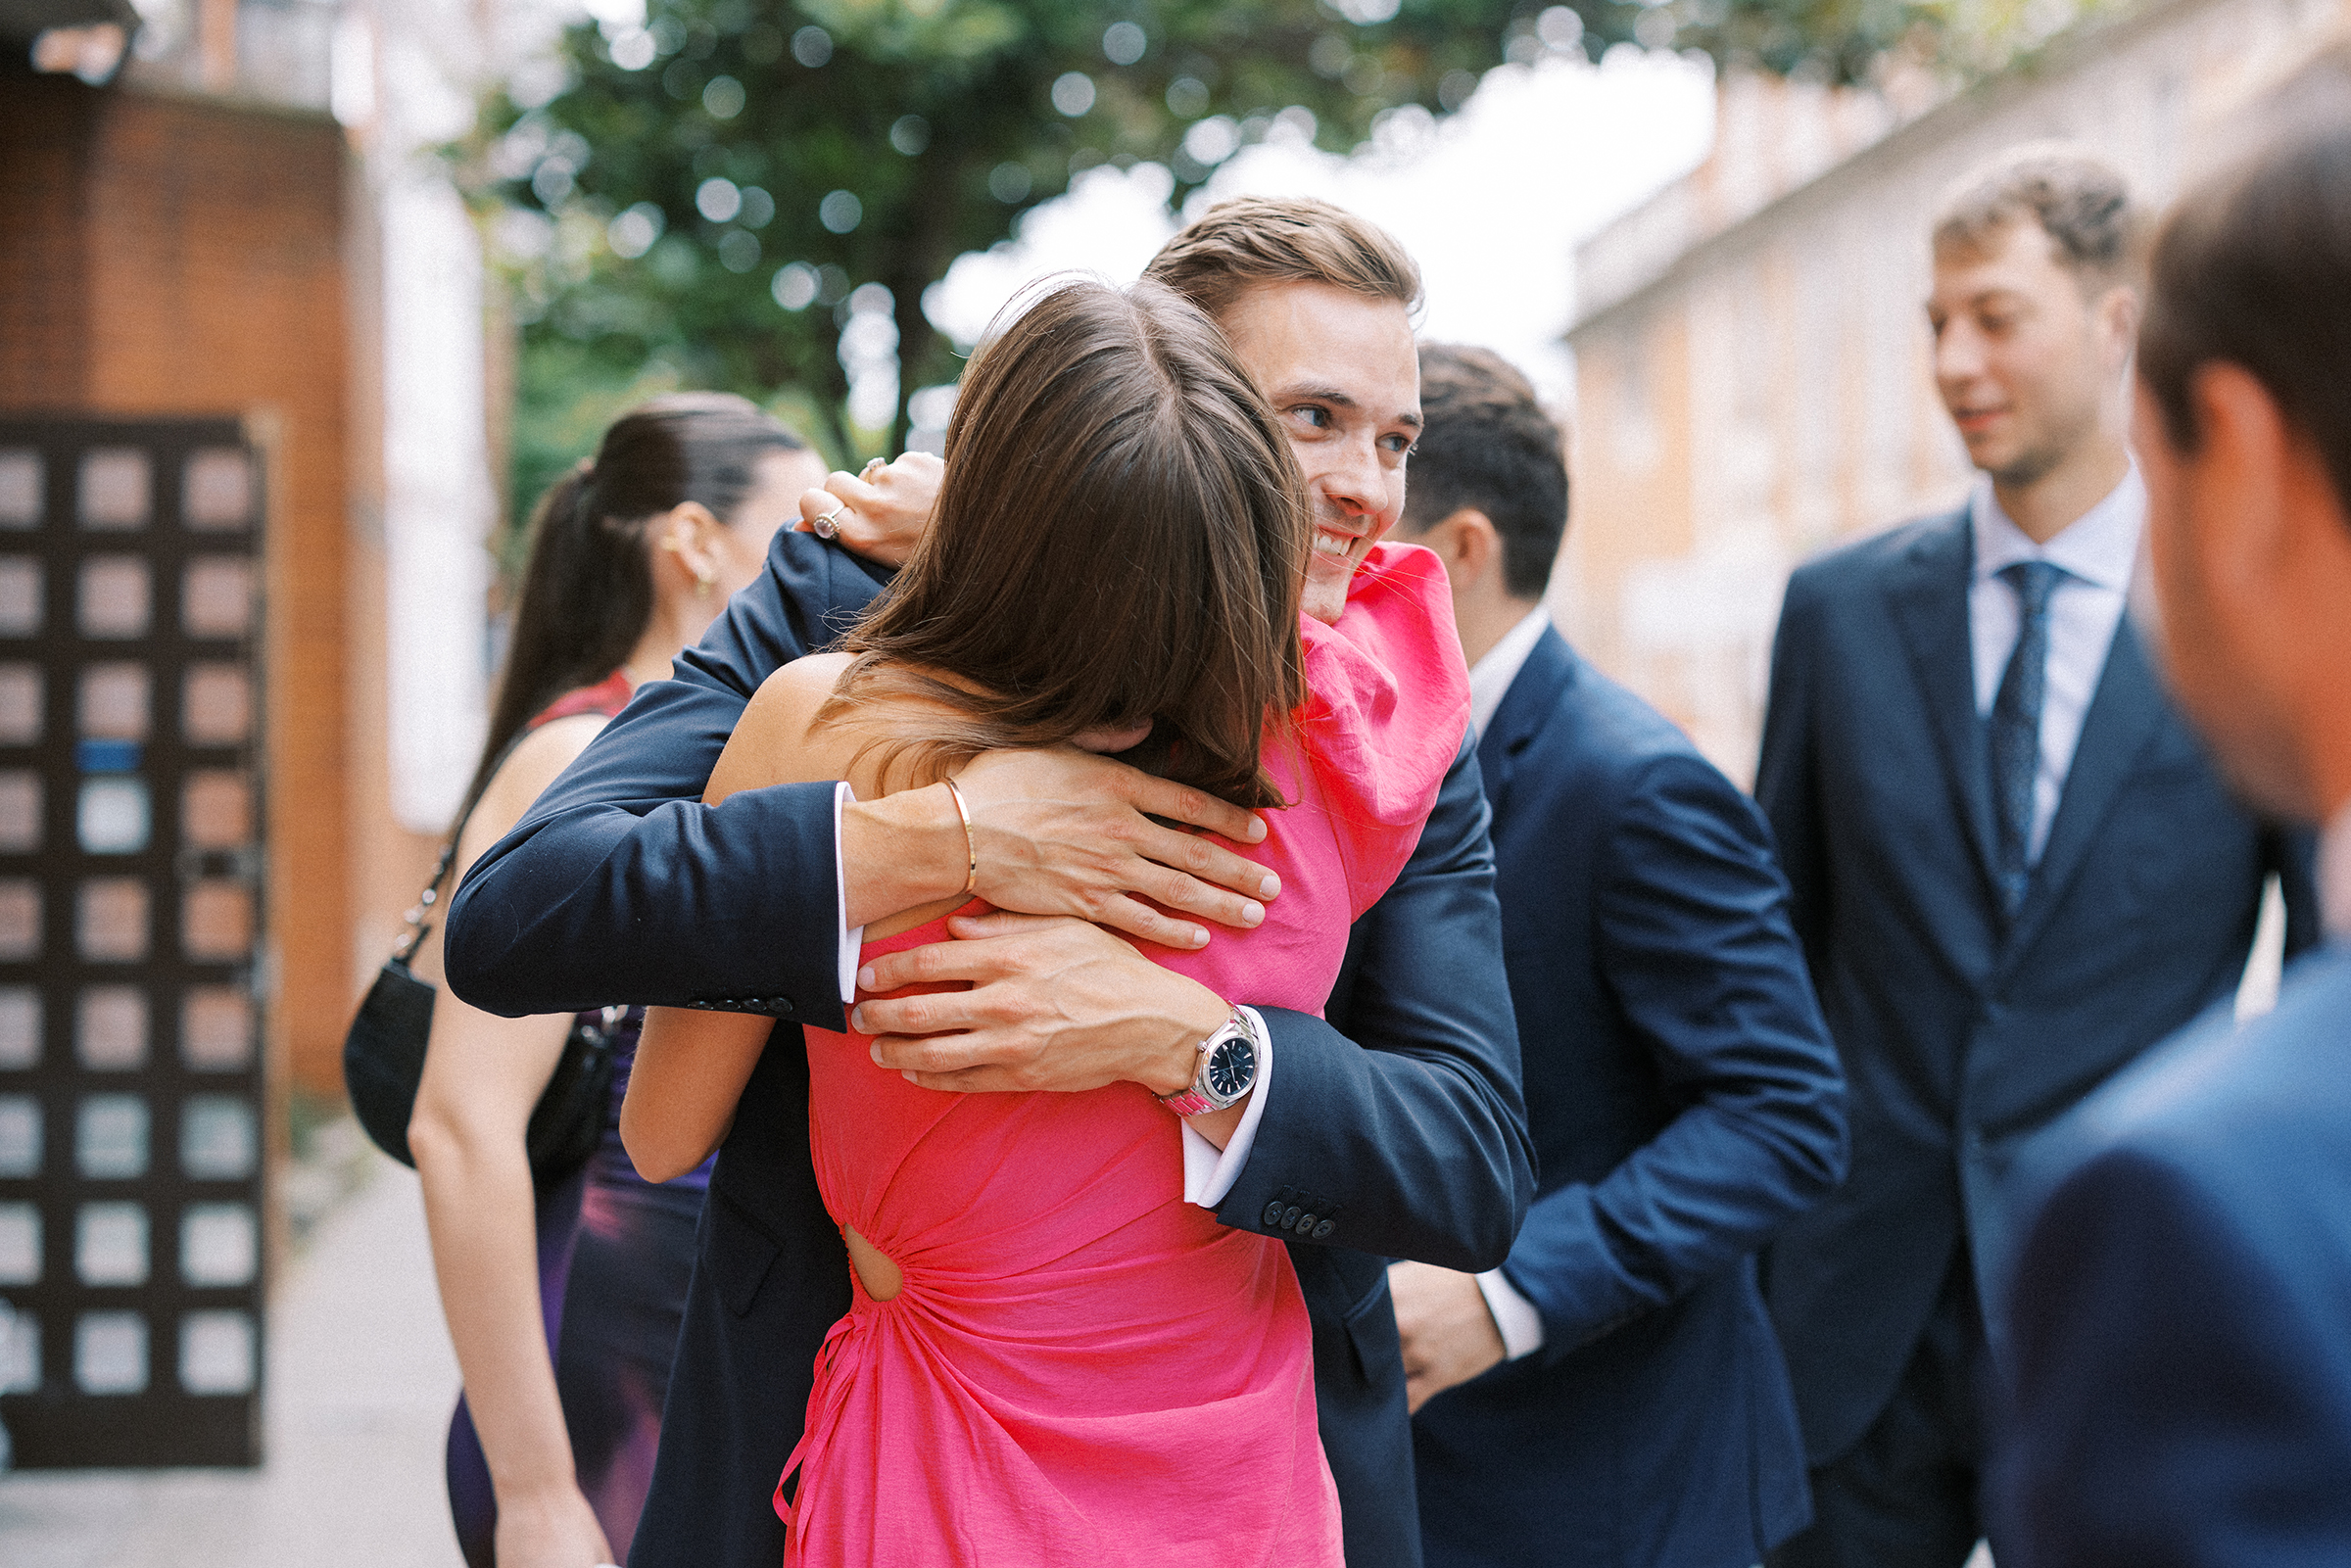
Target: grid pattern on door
132 1086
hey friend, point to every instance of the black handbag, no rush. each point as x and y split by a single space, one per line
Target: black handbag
383 1058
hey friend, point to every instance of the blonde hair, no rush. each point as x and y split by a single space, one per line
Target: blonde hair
1283 239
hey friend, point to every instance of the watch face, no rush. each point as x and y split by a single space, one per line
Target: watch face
1231 1069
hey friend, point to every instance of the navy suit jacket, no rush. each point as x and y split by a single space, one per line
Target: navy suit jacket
2183 1312
1685 1103
1965 1034
1405 1136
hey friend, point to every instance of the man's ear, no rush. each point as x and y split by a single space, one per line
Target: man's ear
2118 312
2239 478
2313 546
1467 542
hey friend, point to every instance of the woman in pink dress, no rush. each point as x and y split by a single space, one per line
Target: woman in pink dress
1051 1357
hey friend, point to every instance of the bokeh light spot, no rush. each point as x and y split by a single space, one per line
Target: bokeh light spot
738 249
1123 43
1560 27
1073 93
633 231
1212 141
841 211
718 200
633 50
724 98
795 286
1009 182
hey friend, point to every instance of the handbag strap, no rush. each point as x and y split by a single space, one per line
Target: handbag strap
420 917
597 699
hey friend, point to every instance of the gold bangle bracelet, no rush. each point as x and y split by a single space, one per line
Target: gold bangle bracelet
971 848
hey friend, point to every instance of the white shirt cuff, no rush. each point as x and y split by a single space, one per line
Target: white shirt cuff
1209 1172
852 942
1521 1325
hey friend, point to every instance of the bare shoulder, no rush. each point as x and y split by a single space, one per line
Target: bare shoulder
528 770
772 741
788 697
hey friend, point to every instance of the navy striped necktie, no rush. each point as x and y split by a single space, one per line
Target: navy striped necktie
2016 724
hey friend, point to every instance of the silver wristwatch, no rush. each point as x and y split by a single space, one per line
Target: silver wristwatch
1226 1071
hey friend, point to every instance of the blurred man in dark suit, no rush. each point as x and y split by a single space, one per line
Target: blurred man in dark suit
2013 867
1681 1088
2183 1313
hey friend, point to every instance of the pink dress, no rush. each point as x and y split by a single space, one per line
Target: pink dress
1082 1369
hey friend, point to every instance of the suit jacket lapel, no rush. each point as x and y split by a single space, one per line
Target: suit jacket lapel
1532 697
1927 593
2125 715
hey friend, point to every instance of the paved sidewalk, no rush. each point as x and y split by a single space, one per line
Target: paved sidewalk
361 1381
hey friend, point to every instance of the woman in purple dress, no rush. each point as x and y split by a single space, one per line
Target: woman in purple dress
549 1452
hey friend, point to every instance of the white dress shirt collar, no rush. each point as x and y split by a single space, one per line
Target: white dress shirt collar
1490 677
2100 546
2334 875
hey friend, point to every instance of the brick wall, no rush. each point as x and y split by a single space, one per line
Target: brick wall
162 256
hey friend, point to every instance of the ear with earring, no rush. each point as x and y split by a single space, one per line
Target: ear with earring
704 578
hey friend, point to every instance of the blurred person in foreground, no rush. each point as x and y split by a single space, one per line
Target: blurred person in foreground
1680 1086
564 1302
2182 1312
1390 1129
2013 867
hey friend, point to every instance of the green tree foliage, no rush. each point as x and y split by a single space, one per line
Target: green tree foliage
709 191
739 193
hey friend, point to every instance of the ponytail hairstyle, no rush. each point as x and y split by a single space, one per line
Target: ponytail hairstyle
1121 538
588 587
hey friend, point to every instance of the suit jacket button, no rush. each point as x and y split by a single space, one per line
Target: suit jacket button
783 1006
1305 1222
1323 1228
1289 1216
1274 1213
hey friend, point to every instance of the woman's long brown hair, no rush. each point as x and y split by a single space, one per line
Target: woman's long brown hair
1122 538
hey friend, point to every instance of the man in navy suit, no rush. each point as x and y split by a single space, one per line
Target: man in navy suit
1394 1129
2013 867
2183 1312
1681 1087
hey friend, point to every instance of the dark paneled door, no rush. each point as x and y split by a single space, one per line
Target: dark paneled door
130 856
